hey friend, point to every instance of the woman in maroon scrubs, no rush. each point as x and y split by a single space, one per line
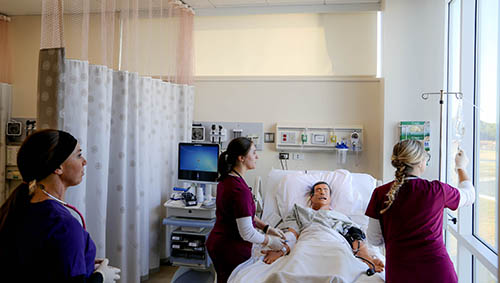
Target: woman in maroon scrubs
407 215
230 241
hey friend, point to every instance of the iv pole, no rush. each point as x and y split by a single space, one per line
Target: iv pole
442 94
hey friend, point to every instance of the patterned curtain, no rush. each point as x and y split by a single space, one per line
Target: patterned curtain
5 105
128 127
128 124
5 98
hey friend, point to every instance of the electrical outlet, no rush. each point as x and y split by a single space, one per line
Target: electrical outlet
284 156
297 156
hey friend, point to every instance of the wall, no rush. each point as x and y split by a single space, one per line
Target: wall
413 62
289 44
306 100
287 60
24 37
270 68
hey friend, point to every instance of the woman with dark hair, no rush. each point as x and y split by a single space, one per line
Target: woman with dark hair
230 241
407 215
40 241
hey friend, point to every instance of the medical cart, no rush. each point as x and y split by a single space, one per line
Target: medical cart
187 231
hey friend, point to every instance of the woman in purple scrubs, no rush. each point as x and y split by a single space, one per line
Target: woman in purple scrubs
230 241
407 215
40 241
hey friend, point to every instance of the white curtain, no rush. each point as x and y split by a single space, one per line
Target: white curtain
5 105
128 127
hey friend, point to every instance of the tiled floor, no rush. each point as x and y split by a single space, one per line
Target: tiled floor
164 275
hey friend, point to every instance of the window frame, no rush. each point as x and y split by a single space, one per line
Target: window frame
469 246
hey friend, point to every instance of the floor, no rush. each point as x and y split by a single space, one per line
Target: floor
164 275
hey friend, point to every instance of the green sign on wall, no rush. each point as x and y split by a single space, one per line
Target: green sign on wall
416 130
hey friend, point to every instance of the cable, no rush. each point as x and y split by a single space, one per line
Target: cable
369 271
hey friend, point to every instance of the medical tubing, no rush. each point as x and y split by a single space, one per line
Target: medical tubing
68 206
371 270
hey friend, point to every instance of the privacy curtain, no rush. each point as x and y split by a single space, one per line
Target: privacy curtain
5 104
5 98
127 122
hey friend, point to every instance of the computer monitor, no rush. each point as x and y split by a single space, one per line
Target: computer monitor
198 162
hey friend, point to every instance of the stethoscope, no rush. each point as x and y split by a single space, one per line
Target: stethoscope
66 205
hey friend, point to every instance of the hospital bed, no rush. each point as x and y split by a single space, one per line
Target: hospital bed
320 254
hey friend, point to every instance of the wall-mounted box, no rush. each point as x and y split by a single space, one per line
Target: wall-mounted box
223 132
318 138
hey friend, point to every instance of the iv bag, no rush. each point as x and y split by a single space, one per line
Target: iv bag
459 125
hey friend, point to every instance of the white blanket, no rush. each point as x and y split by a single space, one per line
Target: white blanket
320 255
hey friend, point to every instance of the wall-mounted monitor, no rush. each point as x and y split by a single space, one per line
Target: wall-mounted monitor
198 162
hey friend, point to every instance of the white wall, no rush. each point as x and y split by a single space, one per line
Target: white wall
288 44
306 100
413 62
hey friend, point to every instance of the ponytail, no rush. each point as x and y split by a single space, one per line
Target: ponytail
228 159
13 206
405 156
223 166
398 182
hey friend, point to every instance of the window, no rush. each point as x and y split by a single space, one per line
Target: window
472 123
482 274
455 134
486 124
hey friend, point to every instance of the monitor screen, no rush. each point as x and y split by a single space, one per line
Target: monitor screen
198 162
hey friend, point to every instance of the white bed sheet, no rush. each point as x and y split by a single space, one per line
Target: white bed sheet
320 255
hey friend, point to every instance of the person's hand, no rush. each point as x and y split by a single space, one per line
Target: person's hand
271 256
274 243
379 265
109 273
276 232
461 160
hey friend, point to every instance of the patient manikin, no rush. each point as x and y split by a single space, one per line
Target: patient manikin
320 212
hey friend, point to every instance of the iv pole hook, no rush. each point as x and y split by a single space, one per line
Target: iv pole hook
441 93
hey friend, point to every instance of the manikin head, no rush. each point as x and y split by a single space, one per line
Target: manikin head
320 196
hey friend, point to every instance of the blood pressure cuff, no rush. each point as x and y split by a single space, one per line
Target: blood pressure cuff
354 234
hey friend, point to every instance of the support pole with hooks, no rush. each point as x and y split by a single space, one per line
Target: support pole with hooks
442 94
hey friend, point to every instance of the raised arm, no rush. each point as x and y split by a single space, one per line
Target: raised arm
465 187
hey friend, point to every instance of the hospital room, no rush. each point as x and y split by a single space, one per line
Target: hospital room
249 140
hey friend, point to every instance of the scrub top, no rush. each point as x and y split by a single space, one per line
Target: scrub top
51 245
413 230
224 244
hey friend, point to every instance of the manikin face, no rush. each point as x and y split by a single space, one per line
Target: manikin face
321 196
72 168
250 160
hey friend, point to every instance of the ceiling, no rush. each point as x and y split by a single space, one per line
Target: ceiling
224 7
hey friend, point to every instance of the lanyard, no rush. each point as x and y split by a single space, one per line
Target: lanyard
236 172
68 206
250 188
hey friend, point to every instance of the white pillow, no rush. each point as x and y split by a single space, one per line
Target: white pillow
270 213
350 193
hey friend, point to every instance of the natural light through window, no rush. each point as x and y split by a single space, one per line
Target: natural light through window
486 123
455 116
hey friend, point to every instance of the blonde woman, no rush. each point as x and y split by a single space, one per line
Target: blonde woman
407 215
